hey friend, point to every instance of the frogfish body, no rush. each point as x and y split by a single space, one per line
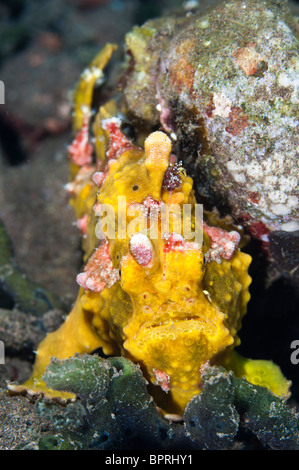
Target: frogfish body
168 302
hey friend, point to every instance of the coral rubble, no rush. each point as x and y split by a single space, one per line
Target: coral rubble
116 412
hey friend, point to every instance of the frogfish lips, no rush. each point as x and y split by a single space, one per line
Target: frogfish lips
173 352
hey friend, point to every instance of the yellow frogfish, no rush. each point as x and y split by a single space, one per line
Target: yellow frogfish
168 302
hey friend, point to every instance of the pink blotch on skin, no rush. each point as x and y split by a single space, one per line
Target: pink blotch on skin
82 224
97 209
118 141
81 179
141 249
223 244
148 204
176 242
98 178
81 150
162 379
99 272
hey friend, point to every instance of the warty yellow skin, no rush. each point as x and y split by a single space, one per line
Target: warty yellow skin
172 315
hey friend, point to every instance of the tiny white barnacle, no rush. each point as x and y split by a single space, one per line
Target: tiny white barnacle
207 294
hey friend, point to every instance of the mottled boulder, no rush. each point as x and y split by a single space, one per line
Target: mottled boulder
224 84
